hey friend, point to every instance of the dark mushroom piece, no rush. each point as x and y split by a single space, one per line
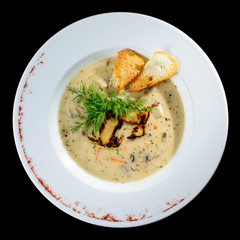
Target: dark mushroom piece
132 157
164 136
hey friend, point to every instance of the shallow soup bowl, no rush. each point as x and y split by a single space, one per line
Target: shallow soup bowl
68 186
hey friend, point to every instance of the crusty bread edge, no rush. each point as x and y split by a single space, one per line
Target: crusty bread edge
171 73
117 74
172 59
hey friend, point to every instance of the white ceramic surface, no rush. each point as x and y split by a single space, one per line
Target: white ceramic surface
69 187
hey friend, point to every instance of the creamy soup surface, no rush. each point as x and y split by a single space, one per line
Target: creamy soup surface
133 159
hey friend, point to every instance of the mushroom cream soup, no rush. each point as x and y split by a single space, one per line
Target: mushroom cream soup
131 147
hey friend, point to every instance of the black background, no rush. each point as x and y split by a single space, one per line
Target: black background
27 26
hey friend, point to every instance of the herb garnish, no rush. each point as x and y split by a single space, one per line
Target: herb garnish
99 104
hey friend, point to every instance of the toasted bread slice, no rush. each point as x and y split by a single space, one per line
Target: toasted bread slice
160 67
128 65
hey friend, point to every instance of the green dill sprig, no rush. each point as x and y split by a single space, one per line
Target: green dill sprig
99 104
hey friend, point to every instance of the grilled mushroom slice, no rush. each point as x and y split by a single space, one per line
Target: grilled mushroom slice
139 120
115 141
144 117
92 138
138 131
107 130
135 118
108 134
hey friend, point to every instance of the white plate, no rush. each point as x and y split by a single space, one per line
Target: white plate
66 185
